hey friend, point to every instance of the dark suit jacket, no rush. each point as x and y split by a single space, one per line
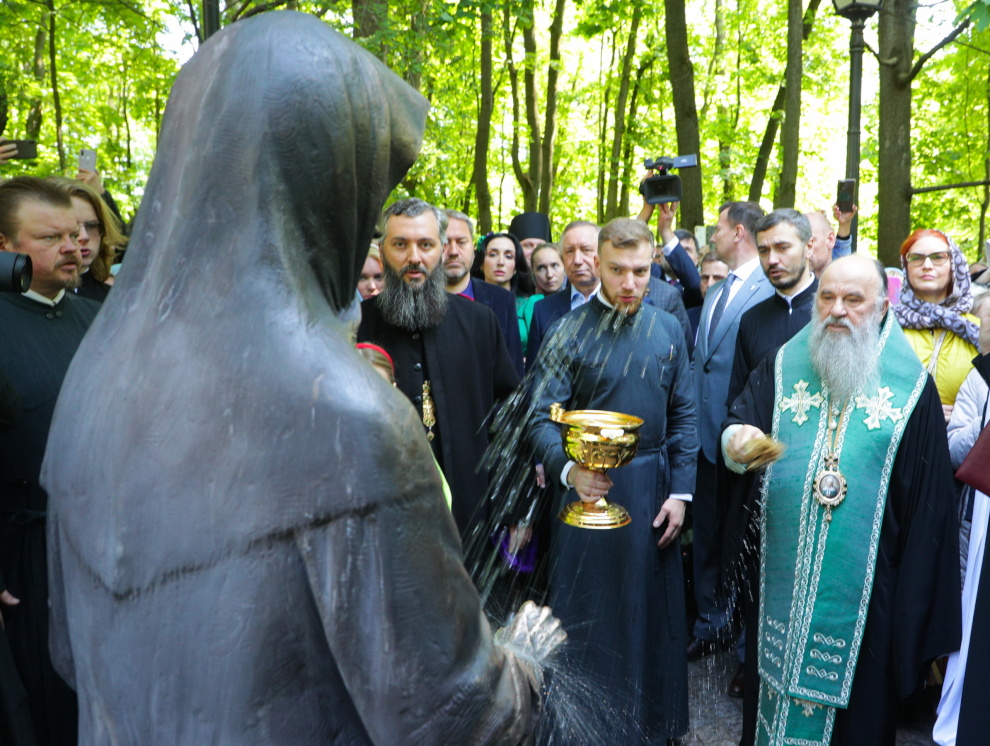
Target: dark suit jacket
545 312
469 370
688 278
713 361
503 305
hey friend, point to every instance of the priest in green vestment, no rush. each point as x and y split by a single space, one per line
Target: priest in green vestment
858 584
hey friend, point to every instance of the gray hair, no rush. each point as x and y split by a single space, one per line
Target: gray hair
413 208
458 215
578 224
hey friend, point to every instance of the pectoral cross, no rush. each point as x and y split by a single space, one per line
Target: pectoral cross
801 402
878 408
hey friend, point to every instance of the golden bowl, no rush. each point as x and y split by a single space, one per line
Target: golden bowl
597 439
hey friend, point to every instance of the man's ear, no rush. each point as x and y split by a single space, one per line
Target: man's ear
598 263
5 243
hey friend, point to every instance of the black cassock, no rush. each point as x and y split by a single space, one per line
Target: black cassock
39 342
469 369
621 599
914 613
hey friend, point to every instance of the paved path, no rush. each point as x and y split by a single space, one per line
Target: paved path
716 719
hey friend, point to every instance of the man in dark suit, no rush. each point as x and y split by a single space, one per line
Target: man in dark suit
724 306
450 357
712 270
458 255
676 258
579 243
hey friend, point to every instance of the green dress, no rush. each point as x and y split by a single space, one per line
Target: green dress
524 312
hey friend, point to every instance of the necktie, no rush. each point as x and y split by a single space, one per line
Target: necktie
723 298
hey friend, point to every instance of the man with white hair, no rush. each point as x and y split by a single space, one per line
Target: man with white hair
859 580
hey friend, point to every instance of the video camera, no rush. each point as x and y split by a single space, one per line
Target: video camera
15 272
665 186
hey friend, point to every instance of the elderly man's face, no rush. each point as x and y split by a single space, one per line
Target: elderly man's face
822 242
848 294
580 248
458 252
412 246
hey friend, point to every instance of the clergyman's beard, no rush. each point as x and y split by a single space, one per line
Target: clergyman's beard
410 306
847 363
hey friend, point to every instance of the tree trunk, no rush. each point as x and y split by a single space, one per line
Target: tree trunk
685 111
791 129
619 129
33 124
370 16
479 176
603 110
550 120
418 28
531 201
722 111
897 21
766 147
56 98
776 112
526 186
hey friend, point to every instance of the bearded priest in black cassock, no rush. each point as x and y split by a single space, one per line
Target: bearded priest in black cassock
859 577
620 593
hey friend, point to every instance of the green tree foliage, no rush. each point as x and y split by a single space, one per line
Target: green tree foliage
580 95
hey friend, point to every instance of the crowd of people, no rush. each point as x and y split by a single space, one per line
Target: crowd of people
804 412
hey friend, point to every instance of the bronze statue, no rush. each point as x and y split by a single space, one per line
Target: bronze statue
247 539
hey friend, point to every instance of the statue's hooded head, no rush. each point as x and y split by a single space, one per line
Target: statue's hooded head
281 141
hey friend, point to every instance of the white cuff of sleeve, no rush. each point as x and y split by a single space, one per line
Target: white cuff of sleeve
726 437
681 496
564 472
668 247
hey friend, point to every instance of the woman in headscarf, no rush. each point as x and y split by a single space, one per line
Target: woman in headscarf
934 310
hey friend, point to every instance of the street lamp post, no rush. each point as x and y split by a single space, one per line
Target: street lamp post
857 11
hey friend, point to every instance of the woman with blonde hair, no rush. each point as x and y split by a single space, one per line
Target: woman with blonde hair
99 239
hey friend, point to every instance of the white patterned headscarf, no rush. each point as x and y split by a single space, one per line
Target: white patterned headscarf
914 313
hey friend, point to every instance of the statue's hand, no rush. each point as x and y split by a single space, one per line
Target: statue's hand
533 633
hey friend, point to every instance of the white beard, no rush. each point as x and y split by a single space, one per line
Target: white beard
846 363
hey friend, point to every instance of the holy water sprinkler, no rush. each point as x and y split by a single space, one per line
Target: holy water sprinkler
598 441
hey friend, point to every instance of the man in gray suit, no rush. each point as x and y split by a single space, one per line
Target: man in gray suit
724 306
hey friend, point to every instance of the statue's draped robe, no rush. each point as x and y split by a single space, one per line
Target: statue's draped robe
913 614
620 598
248 540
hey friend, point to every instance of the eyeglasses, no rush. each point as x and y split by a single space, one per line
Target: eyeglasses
938 258
92 226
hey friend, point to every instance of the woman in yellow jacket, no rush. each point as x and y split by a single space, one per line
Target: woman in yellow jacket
934 310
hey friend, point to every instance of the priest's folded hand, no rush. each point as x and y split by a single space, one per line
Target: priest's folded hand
735 448
590 485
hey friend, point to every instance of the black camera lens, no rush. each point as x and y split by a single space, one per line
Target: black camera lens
15 272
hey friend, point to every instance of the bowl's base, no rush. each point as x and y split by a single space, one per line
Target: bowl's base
601 514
